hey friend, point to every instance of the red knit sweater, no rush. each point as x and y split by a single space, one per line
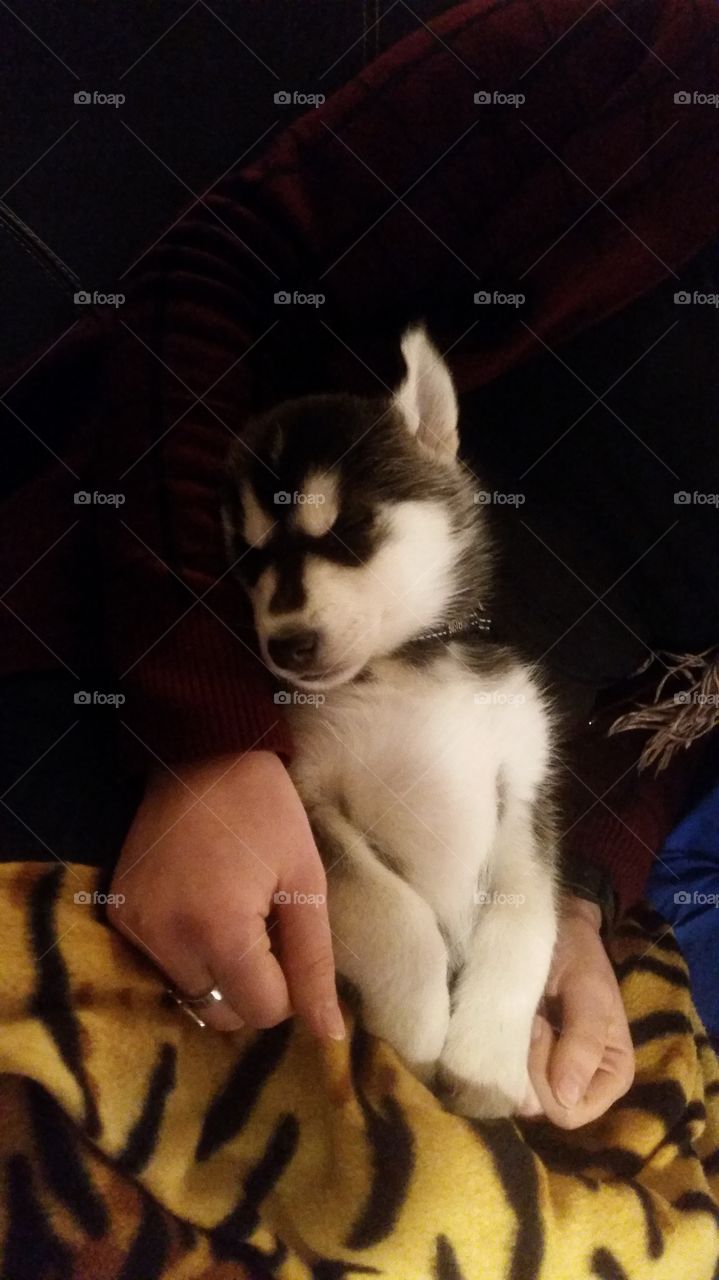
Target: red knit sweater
400 188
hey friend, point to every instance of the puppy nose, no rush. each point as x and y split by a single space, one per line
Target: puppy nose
295 652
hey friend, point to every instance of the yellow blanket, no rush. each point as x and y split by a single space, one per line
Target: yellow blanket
136 1145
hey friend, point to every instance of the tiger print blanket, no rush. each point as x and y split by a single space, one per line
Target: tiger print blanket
136 1146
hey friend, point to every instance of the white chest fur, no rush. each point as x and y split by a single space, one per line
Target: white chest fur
423 785
417 759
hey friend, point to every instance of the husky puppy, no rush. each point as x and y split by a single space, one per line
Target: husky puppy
422 746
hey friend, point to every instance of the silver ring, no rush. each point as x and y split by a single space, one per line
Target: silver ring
191 1005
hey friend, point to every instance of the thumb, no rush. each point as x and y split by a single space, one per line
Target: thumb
580 1049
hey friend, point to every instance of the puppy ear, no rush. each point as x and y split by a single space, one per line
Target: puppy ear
426 397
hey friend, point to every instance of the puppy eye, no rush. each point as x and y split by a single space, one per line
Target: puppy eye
354 524
250 562
350 539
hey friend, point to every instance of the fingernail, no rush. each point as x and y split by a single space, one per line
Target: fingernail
536 1029
330 1022
569 1091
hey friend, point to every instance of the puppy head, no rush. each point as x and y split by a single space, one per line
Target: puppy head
351 524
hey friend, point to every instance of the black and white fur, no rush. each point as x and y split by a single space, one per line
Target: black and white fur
426 769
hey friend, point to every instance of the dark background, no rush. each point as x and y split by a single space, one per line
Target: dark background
86 189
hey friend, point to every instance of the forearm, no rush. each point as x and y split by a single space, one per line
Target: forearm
177 629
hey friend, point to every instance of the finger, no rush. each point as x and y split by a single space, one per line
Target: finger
308 962
606 1086
582 1043
540 1056
188 974
540 1051
249 975
531 1106
625 1057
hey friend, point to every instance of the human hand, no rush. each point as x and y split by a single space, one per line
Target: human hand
210 849
582 1057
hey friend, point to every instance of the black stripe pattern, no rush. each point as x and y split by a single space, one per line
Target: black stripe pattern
142 1139
446 1266
697 1202
232 1106
391 1143
606 1267
31 1247
517 1171
655 1240
52 1002
150 1248
672 973
260 1181
657 1025
664 1099
60 1160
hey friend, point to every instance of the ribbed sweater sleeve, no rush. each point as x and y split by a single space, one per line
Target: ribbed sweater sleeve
400 190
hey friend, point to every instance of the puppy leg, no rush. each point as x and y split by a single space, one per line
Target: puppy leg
483 1068
386 942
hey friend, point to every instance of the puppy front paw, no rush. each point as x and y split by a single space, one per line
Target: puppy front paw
477 1100
482 1077
416 1032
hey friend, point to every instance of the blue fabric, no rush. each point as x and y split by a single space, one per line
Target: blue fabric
684 888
